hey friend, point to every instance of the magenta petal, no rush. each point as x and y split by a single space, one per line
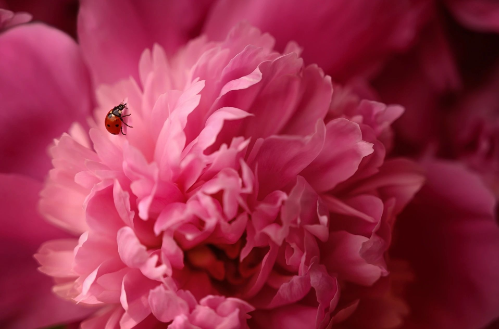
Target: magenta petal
292 316
281 158
340 158
451 238
480 15
291 292
342 255
35 112
26 294
113 34
345 37
10 19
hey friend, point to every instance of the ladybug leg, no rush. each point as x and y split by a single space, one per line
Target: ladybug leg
125 123
122 131
126 115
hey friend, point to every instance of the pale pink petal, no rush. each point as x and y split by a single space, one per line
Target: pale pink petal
56 258
135 255
166 305
101 213
134 298
107 318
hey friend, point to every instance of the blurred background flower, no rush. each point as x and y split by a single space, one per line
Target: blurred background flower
436 58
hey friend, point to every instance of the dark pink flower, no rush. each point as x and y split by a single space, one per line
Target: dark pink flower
245 189
241 189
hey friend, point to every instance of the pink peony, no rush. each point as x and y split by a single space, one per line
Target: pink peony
225 237
241 191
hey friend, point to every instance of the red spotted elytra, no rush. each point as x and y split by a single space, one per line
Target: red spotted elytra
114 119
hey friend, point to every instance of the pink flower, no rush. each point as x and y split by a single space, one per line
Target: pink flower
337 35
331 221
239 192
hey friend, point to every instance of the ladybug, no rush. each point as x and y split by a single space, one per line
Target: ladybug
114 119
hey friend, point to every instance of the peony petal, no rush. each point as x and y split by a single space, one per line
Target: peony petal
26 293
10 19
292 316
281 158
56 258
337 35
451 238
166 305
480 15
113 34
101 213
134 298
397 178
33 114
291 292
340 158
342 255
135 255
107 318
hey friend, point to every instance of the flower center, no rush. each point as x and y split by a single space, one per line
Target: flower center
223 265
